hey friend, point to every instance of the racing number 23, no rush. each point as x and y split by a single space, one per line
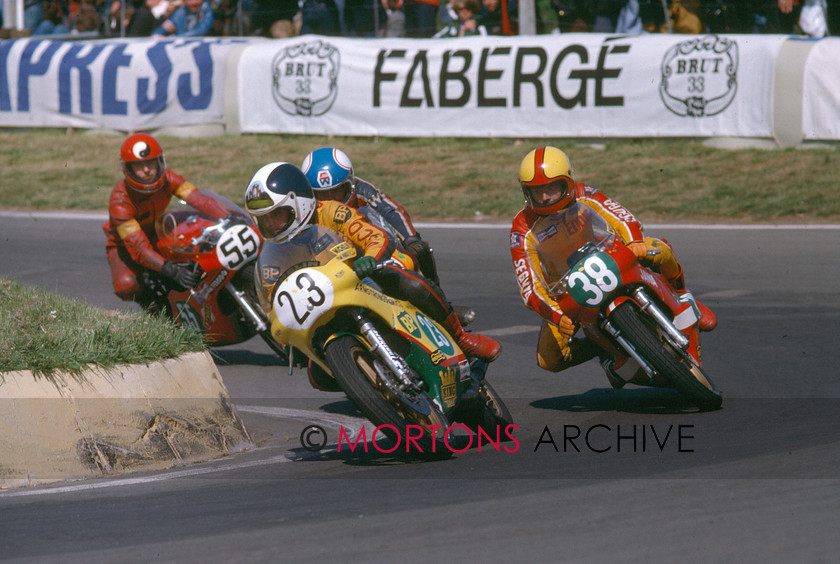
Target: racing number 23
596 280
314 297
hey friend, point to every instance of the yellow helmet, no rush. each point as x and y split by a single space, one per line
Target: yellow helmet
547 180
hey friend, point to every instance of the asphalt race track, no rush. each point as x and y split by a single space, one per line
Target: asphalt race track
758 480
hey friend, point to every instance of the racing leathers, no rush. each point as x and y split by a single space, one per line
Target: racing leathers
398 282
557 349
131 229
366 195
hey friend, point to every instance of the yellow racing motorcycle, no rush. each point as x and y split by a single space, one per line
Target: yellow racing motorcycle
400 368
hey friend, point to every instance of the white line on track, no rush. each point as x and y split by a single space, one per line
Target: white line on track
352 425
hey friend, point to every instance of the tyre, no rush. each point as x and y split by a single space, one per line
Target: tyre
371 386
671 364
489 413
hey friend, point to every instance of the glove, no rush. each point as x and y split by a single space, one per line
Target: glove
566 329
415 245
180 274
364 266
639 249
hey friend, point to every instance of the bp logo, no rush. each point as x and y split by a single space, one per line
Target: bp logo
305 78
699 76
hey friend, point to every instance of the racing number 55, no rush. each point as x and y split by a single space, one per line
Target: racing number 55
238 248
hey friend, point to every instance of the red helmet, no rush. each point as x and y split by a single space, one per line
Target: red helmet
547 180
143 165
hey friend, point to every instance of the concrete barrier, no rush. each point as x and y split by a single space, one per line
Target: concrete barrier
108 422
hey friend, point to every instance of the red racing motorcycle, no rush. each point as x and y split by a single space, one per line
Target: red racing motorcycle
224 304
648 333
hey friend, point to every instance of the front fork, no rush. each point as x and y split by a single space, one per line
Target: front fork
674 336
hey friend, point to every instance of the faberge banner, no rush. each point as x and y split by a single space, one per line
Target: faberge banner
119 84
575 85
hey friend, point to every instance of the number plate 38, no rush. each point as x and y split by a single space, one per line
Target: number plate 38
592 279
302 298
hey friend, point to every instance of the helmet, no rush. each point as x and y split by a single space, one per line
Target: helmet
330 173
142 162
280 201
547 180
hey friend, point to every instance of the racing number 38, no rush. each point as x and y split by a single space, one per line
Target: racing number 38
593 278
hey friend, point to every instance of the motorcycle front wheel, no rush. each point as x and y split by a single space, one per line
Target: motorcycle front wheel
489 412
373 389
673 365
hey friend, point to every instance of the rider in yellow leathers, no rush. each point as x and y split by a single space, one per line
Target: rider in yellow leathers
547 182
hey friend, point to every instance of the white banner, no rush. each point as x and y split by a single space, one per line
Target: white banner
571 85
821 91
123 84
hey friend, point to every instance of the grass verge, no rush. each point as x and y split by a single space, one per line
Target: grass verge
45 333
446 178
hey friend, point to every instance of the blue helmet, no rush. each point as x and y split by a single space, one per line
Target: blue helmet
330 173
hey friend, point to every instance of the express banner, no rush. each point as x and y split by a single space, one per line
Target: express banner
112 84
576 85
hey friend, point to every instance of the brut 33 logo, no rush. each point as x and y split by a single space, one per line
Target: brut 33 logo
305 78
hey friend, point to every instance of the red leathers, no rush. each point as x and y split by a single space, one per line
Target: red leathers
132 214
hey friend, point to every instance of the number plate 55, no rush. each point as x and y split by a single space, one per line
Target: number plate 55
592 279
302 298
237 245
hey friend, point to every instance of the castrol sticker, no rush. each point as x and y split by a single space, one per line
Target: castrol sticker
302 298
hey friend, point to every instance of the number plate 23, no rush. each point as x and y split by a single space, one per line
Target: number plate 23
592 279
302 298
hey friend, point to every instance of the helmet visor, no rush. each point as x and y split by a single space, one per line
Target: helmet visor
340 193
145 172
544 195
275 222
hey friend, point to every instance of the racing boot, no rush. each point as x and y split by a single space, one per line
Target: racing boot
479 346
466 314
708 320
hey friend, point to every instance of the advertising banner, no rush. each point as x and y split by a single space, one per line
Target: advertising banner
570 85
821 91
124 84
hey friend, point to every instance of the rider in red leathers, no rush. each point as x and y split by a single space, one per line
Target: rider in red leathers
136 203
547 181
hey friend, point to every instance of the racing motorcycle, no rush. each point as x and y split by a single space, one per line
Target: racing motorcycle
648 333
397 365
224 304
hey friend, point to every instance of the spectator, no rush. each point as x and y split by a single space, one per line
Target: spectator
684 17
52 19
276 18
781 16
149 16
224 18
420 17
320 17
363 18
573 16
498 16
467 23
33 12
394 19
193 19
86 18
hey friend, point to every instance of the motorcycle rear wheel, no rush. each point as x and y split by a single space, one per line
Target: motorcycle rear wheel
355 368
672 364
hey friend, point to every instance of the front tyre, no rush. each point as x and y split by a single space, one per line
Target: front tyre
673 365
372 387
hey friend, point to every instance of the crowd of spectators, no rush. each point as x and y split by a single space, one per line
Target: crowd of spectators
424 18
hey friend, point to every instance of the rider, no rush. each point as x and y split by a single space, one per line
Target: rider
281 201
136 203
331 175
547 181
